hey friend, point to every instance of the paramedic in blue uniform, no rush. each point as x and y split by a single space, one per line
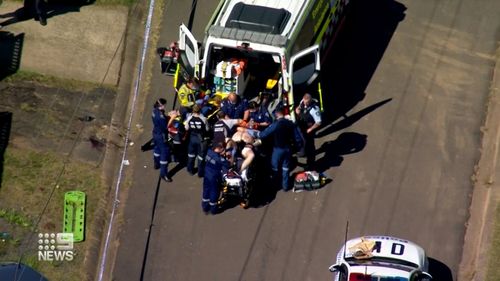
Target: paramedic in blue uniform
258 117
309 119
216 165
285 135
197 128
234 107
223 129
161 150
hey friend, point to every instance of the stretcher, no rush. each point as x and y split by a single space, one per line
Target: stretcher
235 189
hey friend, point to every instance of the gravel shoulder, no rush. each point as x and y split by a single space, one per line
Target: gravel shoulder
486 195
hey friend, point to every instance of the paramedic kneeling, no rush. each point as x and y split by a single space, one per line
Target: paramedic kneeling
215 166
309 119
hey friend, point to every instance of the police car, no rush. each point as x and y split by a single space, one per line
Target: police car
380 258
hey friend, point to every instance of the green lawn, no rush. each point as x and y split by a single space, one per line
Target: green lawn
27 181
53 81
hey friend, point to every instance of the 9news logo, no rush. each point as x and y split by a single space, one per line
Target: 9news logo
55 247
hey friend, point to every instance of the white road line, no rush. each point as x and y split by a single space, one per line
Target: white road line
147 31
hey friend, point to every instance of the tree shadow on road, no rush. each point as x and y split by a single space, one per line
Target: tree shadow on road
439 270
354 57
51 9
11 47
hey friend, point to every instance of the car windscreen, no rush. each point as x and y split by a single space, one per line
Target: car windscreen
383 262
19 272
367 277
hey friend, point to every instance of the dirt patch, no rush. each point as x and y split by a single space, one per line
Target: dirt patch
59 135
48 118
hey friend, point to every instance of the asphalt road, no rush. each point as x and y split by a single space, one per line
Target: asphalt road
412 78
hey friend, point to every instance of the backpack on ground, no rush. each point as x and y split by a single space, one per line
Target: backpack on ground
308 180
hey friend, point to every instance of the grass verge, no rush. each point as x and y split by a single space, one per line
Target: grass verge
53 81
27 182
493 272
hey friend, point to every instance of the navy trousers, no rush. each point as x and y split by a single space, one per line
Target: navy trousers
281 159
211 191
196 149
161 153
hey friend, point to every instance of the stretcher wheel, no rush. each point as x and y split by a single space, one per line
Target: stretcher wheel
221 201
245 204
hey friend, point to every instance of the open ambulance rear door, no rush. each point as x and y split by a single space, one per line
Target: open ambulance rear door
305 69
189 53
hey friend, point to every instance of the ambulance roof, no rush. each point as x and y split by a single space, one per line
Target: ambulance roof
262 21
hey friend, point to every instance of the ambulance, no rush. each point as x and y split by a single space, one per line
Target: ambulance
251 47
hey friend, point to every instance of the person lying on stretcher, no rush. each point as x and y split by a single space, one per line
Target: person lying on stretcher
242 153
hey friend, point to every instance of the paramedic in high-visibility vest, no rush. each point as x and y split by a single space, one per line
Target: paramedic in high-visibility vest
187 96
309 119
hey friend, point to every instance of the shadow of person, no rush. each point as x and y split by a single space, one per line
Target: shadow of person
177 168
13 17
59 7
263 189
349 120
346 143
32 9
41 10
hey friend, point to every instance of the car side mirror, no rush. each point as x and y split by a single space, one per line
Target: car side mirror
425 276
420 276
335 267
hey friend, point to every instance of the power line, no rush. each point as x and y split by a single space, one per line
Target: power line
67 158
